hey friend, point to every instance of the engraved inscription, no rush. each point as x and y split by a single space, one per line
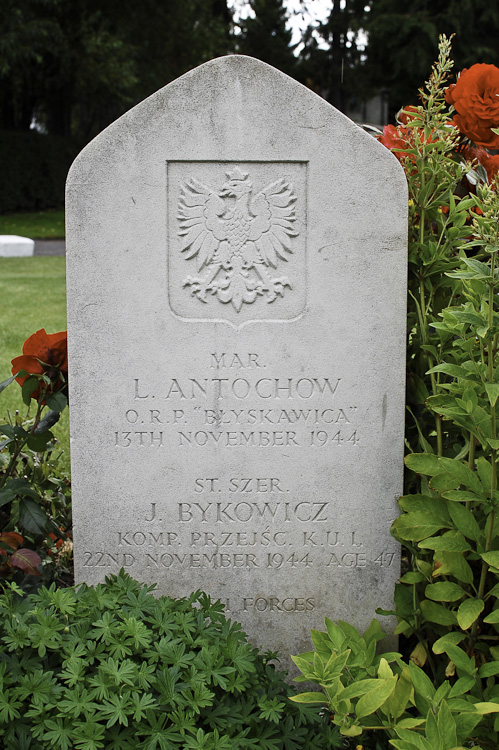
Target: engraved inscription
237 237
245 406
248 532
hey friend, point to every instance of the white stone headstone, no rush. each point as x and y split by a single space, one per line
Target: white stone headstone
14 246
236 255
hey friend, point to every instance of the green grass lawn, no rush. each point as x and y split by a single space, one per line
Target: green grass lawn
33 295
37 225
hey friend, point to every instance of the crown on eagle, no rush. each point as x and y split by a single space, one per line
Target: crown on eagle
236 174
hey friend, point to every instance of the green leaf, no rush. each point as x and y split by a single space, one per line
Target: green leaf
454 371
464 497
7 382
452 541
491 558
426 504
352 731
434 612
462 473
32 517
481 419
29 386
412 576
417 525
432 733
465 521
460 659
489 669
422 683
484 470
312 697
468 612
38 443
461 686
444 591
411 740
492 618
7 495
335 633
444 481
396 704
359 687
57 401
49 420
447 725
440 644
481 270
410 723
492 392
20 487
486 707
454 564
375 697
423 463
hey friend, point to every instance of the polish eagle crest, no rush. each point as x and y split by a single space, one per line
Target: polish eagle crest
236 237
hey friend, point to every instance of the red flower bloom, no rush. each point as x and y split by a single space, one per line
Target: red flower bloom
475 97
489 163
43 354
406 114
395 138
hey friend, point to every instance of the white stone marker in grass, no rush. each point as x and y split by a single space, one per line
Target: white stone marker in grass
14 246
236 255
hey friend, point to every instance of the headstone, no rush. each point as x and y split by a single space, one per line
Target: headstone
237 285
14 246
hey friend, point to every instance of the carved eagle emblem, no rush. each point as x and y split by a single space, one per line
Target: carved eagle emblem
236 237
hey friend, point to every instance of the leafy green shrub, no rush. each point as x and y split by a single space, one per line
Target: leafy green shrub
115 668
445 695
369 693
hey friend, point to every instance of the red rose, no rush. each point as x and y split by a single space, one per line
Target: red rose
394 138
489 163
475 97
406 114
43 354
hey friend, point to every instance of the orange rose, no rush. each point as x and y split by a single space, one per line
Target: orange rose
43 354
406 114
489 163
400 138
394 138
475 97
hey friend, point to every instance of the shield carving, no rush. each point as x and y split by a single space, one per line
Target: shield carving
237 240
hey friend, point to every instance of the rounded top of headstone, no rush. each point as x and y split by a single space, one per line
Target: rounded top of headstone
223 105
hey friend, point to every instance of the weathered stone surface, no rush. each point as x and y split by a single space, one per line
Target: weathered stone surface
236 286
14 246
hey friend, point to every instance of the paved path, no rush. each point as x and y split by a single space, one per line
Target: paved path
50 247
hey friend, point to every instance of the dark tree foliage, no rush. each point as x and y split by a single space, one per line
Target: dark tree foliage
403 39
76 65
267 37
332 58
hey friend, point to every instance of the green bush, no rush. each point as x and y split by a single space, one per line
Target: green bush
115 668
34 169
444 693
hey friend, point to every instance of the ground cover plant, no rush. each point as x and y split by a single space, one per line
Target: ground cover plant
444 695
114 668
